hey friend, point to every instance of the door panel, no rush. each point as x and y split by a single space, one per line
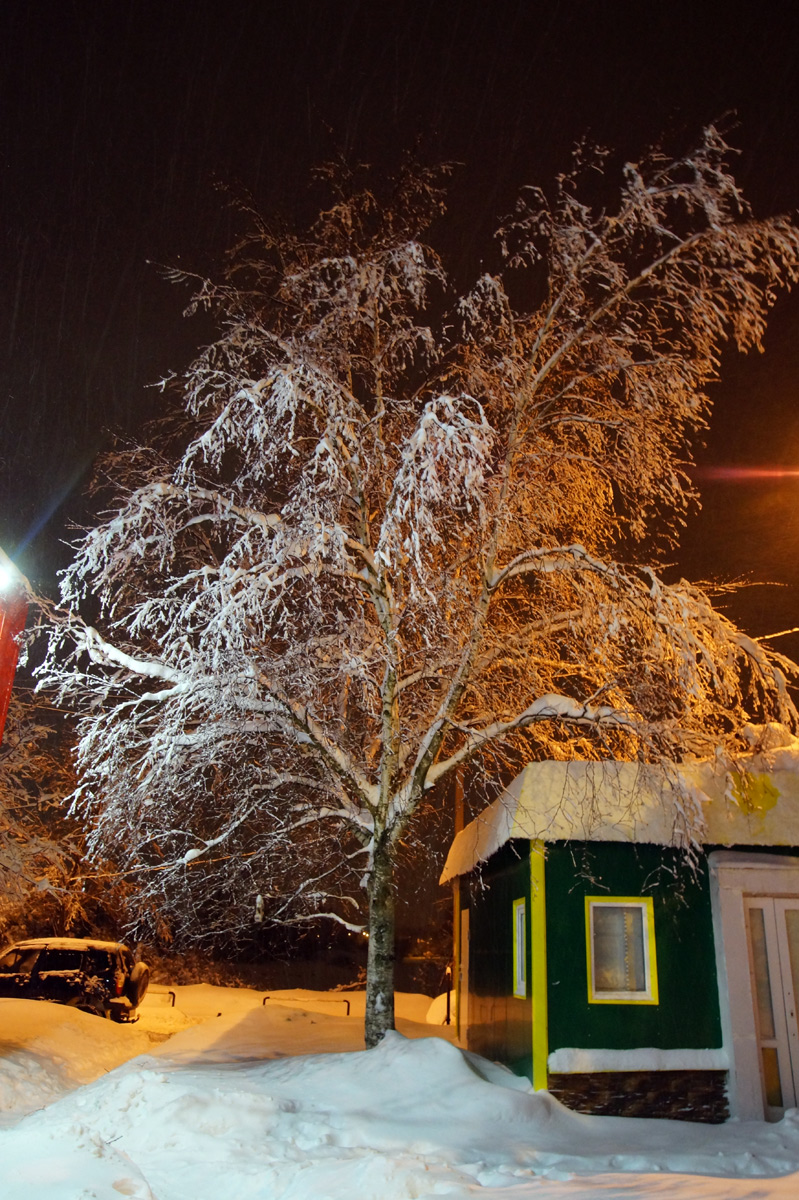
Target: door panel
787 914
773 932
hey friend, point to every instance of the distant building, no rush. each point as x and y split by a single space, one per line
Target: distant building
595 958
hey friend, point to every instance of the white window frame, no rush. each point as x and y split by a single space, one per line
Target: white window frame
649 993
520 949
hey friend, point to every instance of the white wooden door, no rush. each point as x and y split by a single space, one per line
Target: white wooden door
773 934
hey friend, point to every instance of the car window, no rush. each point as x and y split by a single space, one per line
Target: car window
18 961
99 961
60 960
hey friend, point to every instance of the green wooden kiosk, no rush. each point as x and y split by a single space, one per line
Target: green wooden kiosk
622 967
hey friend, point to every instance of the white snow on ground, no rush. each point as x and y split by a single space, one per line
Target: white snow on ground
224 1097
48 1049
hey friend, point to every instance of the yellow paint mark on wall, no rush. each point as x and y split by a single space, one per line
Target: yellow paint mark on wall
754 794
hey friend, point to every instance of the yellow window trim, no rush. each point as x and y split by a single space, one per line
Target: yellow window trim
650 996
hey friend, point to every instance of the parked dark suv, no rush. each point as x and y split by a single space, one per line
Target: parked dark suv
97 977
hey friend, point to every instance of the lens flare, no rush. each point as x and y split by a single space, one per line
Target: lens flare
744 474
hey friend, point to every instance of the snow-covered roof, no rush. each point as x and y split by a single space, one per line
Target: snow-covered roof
756 803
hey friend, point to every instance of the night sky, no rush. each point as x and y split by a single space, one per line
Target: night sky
118 118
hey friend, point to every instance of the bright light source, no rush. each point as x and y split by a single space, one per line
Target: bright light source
8 577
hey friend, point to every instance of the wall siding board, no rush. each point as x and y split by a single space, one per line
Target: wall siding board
499 1022
687 1015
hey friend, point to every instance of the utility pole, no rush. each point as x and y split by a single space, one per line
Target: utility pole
457 948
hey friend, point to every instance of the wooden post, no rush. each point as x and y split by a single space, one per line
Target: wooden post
456 909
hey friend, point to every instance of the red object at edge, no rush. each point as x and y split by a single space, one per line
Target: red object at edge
13 614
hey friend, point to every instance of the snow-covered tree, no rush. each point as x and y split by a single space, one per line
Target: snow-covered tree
40 847
388 532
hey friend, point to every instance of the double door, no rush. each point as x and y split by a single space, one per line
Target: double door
773 936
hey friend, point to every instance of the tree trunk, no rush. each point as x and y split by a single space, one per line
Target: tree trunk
380 960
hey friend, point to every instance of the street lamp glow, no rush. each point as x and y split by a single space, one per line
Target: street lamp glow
8 577
11 580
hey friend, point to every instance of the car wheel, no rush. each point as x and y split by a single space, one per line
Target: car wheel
137 984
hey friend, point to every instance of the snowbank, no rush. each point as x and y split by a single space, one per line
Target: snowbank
47 1050
227 1107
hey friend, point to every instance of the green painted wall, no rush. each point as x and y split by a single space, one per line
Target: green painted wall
499 1022
687 1015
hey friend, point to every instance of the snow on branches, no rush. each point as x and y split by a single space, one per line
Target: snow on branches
391 530
41 848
